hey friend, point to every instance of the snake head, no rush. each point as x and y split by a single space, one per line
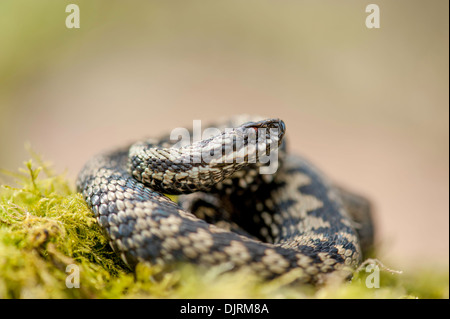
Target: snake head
260 142
268 128
268 134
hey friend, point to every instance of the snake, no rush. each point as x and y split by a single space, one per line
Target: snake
229 211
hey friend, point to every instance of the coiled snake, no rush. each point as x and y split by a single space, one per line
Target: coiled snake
272 223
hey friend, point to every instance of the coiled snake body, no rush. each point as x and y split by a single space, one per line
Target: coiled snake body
272 223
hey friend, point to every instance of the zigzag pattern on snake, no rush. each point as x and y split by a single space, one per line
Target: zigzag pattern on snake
271 223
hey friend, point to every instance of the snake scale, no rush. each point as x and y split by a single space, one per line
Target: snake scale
294 218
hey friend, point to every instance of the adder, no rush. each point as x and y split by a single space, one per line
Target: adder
228 211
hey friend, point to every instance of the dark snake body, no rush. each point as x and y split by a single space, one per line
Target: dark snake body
293 219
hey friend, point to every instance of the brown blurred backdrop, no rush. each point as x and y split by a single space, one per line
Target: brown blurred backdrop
368 106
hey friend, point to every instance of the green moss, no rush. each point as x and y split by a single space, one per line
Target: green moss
45 226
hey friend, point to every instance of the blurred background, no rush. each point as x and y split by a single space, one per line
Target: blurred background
370 107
